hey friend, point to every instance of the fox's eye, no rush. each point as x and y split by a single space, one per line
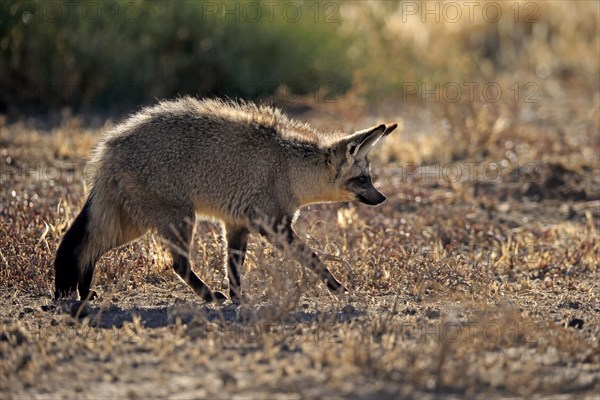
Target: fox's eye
362 180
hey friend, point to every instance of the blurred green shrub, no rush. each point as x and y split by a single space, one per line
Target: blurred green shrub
117 54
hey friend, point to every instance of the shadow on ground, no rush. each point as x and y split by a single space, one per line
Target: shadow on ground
115 316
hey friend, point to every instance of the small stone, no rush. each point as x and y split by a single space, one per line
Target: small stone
15 336
227 378
348 309
575 323
432 314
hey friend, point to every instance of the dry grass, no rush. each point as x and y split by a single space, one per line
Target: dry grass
478 277
457 42
459 288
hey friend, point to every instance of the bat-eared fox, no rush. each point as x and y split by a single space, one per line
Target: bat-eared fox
249 166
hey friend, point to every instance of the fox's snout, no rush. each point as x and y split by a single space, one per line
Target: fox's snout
373 197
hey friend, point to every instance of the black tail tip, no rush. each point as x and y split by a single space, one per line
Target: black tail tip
66 265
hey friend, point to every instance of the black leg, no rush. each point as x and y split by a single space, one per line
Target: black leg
179 238
182 267
85 281
237 241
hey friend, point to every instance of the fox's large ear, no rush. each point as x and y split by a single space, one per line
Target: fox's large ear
359 143
372 137
389 129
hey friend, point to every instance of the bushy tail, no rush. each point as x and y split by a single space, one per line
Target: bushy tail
67 266
101 225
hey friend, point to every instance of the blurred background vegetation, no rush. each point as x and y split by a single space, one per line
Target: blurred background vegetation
115 55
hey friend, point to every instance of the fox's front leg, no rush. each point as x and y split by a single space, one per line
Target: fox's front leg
237 241
284 236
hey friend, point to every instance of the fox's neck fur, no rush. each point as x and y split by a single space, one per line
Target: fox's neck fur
311 179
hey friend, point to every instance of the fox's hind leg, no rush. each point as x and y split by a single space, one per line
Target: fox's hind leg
178 235
237 240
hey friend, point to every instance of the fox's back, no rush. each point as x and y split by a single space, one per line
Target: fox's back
210 153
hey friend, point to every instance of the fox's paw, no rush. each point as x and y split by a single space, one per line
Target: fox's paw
342 290
220 296
66 295
92 295
336 287
216 296
235 297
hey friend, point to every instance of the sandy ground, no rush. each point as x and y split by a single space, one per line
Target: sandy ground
477 288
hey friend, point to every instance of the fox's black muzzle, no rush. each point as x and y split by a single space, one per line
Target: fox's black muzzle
372 199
